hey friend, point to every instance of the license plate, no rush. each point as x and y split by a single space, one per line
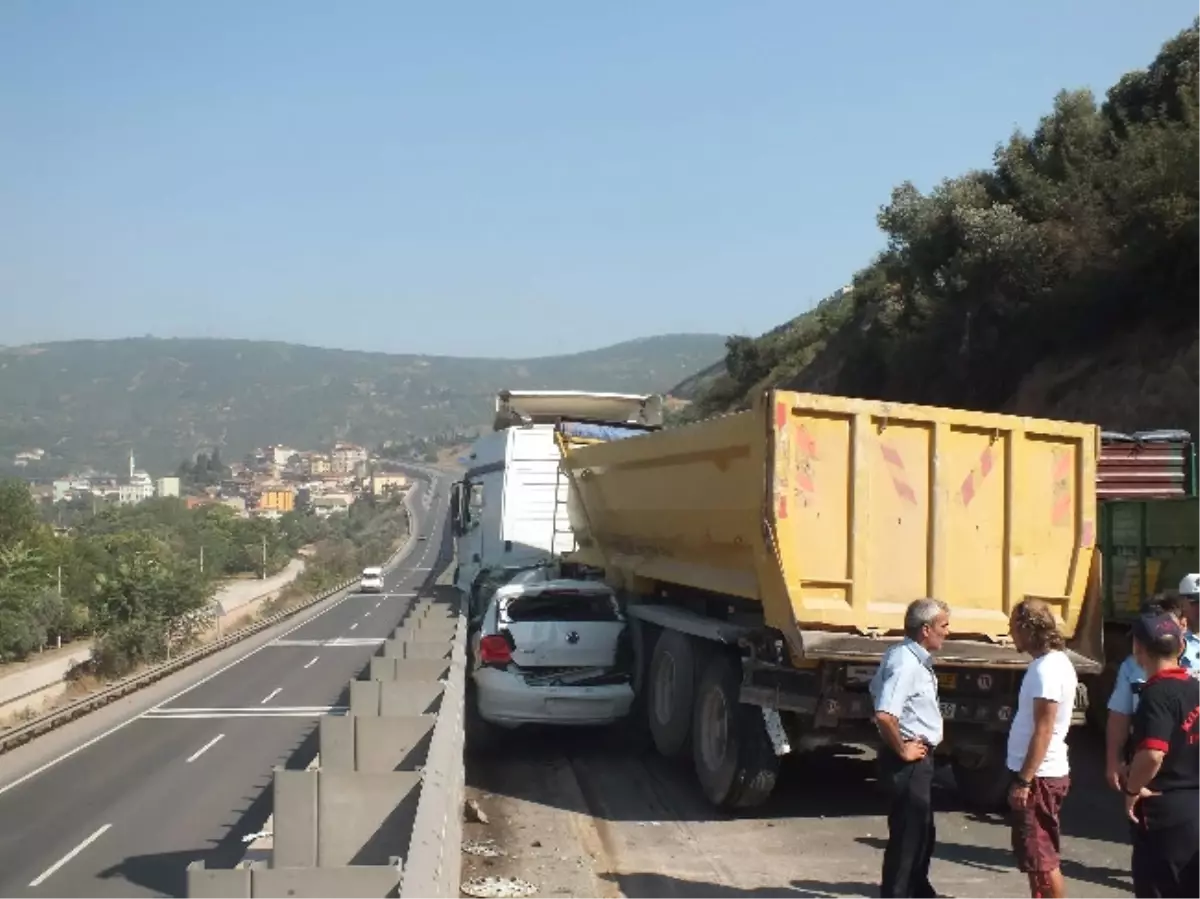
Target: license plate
947 709
947 681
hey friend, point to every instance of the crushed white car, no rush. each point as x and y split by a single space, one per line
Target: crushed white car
546 651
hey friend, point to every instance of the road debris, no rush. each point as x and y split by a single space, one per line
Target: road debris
474 813
498 888
482 848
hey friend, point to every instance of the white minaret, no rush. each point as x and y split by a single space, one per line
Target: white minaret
131 463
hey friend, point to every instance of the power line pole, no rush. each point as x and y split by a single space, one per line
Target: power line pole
264 567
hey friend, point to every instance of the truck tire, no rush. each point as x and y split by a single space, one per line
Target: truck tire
670 692
734 760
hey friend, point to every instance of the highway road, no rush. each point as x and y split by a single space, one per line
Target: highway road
121 801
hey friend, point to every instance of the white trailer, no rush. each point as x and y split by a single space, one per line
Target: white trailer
510 508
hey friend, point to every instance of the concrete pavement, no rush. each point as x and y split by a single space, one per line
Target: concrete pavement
184 776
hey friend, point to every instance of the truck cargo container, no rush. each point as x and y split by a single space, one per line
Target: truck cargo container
766 559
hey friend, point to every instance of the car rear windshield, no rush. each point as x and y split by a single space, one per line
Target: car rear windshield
561 605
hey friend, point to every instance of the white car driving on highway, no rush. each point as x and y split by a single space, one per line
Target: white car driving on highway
545 650
371 580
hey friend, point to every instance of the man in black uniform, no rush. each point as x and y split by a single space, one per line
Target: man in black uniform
1162 788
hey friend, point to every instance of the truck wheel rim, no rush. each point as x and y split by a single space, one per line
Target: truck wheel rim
714 730
664 688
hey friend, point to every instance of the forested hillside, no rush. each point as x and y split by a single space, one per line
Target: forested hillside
1060 281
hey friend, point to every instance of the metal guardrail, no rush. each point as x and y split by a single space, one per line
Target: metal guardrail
22 734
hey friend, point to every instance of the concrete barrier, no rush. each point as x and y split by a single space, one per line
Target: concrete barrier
375 697
380 812
375 743
256 879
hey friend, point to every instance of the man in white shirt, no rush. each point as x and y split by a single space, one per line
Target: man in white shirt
1037 747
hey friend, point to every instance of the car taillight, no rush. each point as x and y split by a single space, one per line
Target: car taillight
494 650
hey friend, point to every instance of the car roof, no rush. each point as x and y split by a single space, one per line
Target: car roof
373 570
593 588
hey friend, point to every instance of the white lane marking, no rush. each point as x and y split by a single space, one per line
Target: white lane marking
203 749
366 615
260 712
70 855
271 695
46 766
336 641
378 604
313 662
256 709
353 626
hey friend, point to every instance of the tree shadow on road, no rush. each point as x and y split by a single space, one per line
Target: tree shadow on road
662 885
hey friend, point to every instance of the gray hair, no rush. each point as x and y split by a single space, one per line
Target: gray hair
921 612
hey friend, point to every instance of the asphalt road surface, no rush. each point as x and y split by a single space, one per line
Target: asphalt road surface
121 801
593 813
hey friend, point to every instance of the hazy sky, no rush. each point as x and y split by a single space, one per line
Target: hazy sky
495 178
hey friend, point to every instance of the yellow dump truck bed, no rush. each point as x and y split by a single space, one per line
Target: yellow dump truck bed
835 513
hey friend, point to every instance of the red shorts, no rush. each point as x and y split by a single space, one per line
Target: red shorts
1036 833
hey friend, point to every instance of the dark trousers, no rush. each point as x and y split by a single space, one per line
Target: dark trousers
1166 862
911 832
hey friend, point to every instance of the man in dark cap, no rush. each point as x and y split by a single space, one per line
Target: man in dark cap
1162 788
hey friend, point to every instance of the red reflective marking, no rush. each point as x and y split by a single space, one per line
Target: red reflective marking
906 492
804 482
985 462
781 415
968 489
782 513
805 442
1062 506
892 456
1062 463
1088 537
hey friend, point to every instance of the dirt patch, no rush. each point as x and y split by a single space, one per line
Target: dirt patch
534 837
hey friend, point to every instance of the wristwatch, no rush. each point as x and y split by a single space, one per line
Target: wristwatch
1024 784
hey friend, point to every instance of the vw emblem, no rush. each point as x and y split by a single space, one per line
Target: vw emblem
573 637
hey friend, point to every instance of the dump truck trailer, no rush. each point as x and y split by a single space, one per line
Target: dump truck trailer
766 559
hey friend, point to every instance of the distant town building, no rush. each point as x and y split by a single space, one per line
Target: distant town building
277 499
315 463
137 487
279 454
347 457
167 486
382 483
326 504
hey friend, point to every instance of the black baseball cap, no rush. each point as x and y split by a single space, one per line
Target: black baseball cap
1155 626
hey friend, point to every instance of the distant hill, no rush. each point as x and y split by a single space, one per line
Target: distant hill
89 402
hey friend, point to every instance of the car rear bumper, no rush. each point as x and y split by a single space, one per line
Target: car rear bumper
504 698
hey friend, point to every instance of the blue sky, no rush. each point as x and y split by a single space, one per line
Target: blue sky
495 178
